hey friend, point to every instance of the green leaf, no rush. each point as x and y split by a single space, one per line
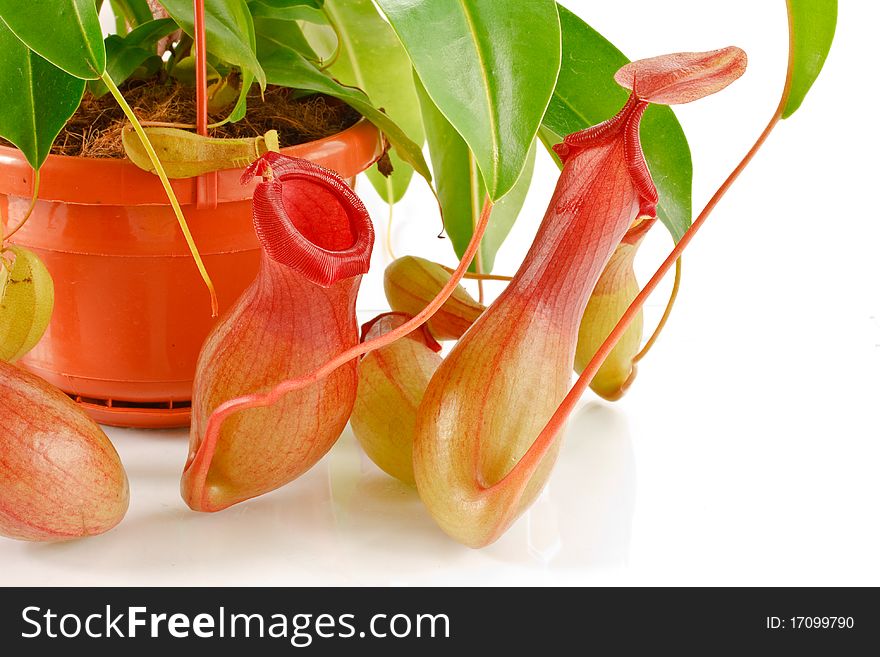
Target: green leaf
240 107
313 29
372 59
148 69
461 188
490 67
126 54
72 40
230 32
294 12
133 12
122 61
288 68
285 4
314 36
549 139
586 94
812 30
36 98
284 34
320 34
147 34
185 71
120 22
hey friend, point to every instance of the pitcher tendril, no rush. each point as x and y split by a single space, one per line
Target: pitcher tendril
673 295
471 276
166 184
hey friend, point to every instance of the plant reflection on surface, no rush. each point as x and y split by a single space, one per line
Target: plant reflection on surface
583 518
347 522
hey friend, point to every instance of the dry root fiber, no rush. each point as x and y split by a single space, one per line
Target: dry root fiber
95 129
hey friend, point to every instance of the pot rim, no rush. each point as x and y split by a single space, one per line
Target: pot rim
116 181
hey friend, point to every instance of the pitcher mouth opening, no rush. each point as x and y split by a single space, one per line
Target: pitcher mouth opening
308 218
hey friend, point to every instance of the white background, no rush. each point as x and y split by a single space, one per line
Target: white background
745 453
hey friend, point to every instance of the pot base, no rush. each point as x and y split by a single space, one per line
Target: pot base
133 405
135 415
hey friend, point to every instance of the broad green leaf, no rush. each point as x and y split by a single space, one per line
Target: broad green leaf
315 36
126 54
72 39
230 31
462 191
133 12
320 33
294 12
812 30
284 34
490 67
147 34
36 98
284 4
372 59
122 61
288 68
586 94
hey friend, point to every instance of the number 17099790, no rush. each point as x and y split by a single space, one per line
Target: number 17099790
810 623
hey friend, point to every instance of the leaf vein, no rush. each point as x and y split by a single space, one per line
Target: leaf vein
493 122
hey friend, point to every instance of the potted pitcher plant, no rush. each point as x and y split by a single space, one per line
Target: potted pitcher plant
267 358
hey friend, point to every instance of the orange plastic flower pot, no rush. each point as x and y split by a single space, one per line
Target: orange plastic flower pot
131 311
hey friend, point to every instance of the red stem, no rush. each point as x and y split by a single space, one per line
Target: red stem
201 68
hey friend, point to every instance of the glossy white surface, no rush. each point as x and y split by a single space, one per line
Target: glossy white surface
747 451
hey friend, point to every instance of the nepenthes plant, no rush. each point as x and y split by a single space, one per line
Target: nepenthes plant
487 426
476 431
